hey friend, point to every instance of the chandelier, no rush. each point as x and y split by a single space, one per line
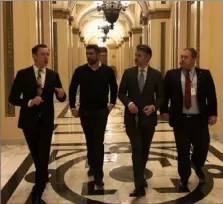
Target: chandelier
112 10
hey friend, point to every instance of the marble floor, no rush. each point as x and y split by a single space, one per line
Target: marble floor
69 182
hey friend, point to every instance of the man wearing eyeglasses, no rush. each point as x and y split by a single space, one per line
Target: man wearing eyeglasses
141 92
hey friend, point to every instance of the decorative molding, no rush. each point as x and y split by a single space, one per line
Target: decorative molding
163 48
126 39
130 34
8 55
61 14
132 8
79 7
75 31
144 19
82 39
159 14
70 20
136 30
55 43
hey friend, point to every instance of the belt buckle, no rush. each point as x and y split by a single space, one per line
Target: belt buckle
188 115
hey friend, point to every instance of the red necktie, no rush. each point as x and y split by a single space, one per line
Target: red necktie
187 96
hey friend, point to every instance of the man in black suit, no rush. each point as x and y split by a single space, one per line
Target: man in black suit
33 90
95 80
141 92
193 105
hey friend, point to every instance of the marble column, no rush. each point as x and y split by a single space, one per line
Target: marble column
159 23
136 40
127 56
75 48
47 28
61 20
82 51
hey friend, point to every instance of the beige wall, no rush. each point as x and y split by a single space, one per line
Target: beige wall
211 51
25 37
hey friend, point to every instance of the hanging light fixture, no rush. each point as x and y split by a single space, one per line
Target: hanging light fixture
112 10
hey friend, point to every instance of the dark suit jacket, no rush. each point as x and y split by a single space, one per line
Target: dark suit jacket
152 94
206 95
25 85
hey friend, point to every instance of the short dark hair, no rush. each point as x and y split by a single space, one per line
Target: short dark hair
36 48
192 51
94 47
103 50
145 48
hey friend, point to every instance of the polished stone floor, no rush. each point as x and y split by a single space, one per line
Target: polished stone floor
69 182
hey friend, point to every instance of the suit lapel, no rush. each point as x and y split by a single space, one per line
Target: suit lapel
33 78
147 79
199 73
136 81
179 80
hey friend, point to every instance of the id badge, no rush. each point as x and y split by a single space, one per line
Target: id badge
193 92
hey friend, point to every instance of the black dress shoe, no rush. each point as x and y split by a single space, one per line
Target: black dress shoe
138 192
36 198
99 183
90 173
145 184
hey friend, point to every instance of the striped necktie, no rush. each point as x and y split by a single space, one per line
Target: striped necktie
39 82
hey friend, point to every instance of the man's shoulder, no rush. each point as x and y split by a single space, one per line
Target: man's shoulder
154 70
130 69
25 70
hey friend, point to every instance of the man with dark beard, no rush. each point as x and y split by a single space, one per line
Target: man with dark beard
95 80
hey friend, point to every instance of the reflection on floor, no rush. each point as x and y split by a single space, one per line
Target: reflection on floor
69 182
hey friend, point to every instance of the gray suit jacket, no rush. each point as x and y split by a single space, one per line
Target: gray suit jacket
152 94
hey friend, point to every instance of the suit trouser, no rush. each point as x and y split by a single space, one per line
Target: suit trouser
189 131
140 139
94 124
39 141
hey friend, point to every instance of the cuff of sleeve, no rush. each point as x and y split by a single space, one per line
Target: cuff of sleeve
130 103
29 103
154 108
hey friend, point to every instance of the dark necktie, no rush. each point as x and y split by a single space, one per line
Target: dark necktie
39 82
141 80
187 96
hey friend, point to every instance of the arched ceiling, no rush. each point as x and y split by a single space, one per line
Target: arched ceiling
87 18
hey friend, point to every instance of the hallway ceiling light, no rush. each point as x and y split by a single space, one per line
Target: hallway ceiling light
112 9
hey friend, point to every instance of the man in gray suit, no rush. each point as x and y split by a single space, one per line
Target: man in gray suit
141 92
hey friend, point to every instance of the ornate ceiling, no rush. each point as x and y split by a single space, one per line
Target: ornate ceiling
87 18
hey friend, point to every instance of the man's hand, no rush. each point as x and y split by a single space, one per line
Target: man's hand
148 110
110 107
75 112
165 116
133 108
36 101
212 120
60 92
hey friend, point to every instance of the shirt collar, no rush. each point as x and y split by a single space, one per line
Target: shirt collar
36 69
145 69
192 70
99 65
